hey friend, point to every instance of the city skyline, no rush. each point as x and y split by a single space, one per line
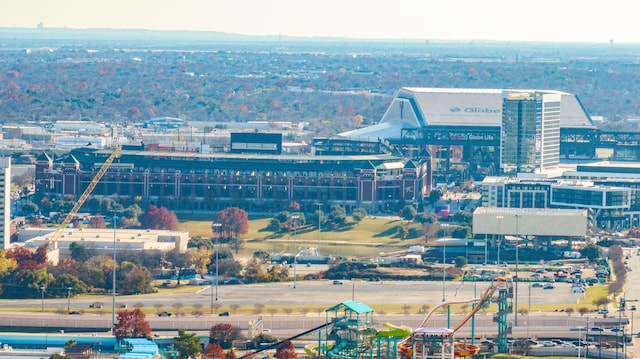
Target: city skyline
501 20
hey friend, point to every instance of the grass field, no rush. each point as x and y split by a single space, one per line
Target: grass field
371 236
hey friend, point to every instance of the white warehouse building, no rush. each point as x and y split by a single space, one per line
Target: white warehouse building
101 241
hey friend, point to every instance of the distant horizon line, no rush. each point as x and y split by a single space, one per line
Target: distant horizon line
299 38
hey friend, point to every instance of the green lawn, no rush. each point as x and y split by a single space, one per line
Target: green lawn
369 237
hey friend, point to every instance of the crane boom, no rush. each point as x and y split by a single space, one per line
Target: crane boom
83 197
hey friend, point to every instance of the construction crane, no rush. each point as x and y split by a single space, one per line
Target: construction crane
83 197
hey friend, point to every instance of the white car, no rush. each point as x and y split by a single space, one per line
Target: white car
577 289
548 343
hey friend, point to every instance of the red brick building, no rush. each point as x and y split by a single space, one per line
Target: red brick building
253 181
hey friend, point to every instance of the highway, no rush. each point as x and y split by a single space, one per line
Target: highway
314 294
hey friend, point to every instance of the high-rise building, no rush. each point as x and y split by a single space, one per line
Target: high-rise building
5 205
530 133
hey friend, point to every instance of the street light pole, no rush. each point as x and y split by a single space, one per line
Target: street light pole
517 278
115 264
319 223
444 266
580 340
295 248
529 311
42 288
216 230
498 241
485 249
68 299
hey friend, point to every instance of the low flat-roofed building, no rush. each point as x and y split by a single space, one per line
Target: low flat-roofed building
549 222
101 241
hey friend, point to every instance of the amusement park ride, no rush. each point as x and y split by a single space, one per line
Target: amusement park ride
349 332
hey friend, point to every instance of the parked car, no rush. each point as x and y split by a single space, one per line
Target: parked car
537 285
337 282
603 311
548 286
75 312
165 314
596 329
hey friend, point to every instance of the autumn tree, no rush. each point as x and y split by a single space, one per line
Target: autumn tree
294 206
27 259
213 351
97 221
223 334
253 272
131 324
233 222
7 264
231 354
187 344
158 218
135 279
286 351
200 257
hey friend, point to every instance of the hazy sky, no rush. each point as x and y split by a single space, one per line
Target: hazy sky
525 20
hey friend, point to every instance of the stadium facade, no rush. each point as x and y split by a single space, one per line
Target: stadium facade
426 136
255 181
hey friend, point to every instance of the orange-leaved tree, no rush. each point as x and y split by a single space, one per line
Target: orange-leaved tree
131 324
232 222
286 351
158 218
